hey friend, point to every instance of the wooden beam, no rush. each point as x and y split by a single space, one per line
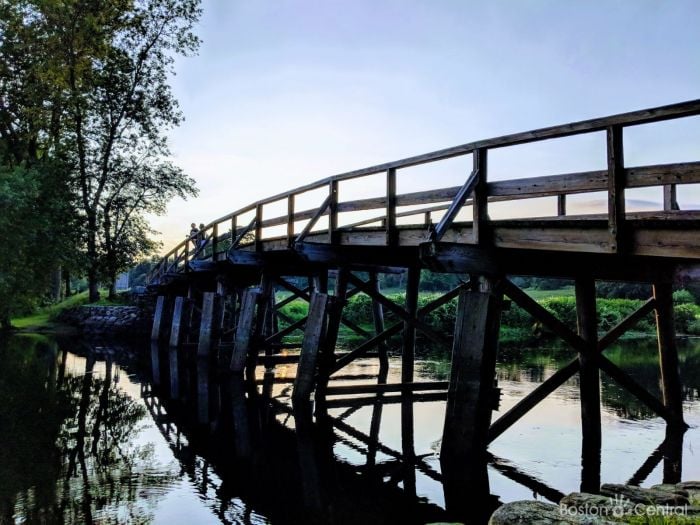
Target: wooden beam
244 332
346 390
459 200
378 318
671 386
313 336
391 235
616 189
319 213
589 385
480 204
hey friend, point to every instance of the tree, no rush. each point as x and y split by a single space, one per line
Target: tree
86 84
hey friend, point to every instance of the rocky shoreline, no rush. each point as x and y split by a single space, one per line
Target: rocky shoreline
615 504
109 320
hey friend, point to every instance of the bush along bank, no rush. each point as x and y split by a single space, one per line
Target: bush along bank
517 326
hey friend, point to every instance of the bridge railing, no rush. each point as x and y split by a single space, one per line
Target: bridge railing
245 228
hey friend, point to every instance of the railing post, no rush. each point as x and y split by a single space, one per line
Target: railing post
670 199
258 227
290 221
480 203
333 237
390 223
616 188
234 227
214 241
186 258
561 205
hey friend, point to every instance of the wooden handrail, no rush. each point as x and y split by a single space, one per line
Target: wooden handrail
667 175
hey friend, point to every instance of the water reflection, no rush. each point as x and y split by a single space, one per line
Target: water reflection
120 434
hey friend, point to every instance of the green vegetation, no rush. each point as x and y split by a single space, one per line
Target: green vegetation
517 326
43 318
86 108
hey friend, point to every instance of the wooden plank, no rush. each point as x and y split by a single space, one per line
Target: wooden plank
366 346
480 204
177 326
207 326
159 318
378 319
626 324
313 336
333 211
457 204
290 220
470 394
319 213
391 237
671 386
244 331
616 189
589 385
561 205
408 347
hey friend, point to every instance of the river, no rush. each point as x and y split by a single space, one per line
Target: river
109 432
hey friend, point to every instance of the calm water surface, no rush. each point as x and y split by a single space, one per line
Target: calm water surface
114 433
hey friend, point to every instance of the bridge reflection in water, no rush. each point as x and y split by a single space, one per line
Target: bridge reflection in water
279 458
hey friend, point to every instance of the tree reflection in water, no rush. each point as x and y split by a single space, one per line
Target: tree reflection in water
69 447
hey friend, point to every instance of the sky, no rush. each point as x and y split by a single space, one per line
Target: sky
285 92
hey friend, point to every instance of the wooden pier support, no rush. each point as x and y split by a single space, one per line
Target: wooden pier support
408 353
668 354
313 338
159 318
378 318
209 326
589 383
242 341
471 397
181 310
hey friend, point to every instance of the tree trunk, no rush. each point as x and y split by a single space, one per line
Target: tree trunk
93 262
66 280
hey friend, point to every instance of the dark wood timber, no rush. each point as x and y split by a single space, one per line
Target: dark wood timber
244 332
378 318
313 338
391 233
670 198
159 318
668 352
589 385
480 203
408 349
470 395
616 189
439 232
179 315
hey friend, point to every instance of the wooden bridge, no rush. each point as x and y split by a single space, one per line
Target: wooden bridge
220 293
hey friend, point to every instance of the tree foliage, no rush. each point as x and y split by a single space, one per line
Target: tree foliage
84 86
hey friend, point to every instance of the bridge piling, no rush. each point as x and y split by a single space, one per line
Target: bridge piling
305 379
244 331
589 385
471 394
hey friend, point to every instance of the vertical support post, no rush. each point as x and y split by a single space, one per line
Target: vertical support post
671 386
214 241
670 198
313 336
378 315
178 317
159 318
261 322
290 221
471 397
409 332
327 356
333 236
390 223
480 207
234 228
616 189
561 205
258 227
589 376
207 326
244 331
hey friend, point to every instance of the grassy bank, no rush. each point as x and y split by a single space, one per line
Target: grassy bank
44 319
517 326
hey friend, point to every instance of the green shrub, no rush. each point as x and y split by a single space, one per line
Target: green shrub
683 297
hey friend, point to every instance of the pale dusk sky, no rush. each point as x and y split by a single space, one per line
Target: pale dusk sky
285 92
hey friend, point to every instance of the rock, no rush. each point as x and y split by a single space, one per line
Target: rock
540 513
674 489
603 505
642 495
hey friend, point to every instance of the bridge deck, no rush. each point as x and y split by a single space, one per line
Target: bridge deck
460 215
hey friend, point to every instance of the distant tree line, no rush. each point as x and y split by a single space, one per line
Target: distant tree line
85 106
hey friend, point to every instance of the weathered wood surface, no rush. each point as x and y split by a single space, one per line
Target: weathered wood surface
670 232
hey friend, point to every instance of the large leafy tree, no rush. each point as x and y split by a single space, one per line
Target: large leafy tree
86 83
